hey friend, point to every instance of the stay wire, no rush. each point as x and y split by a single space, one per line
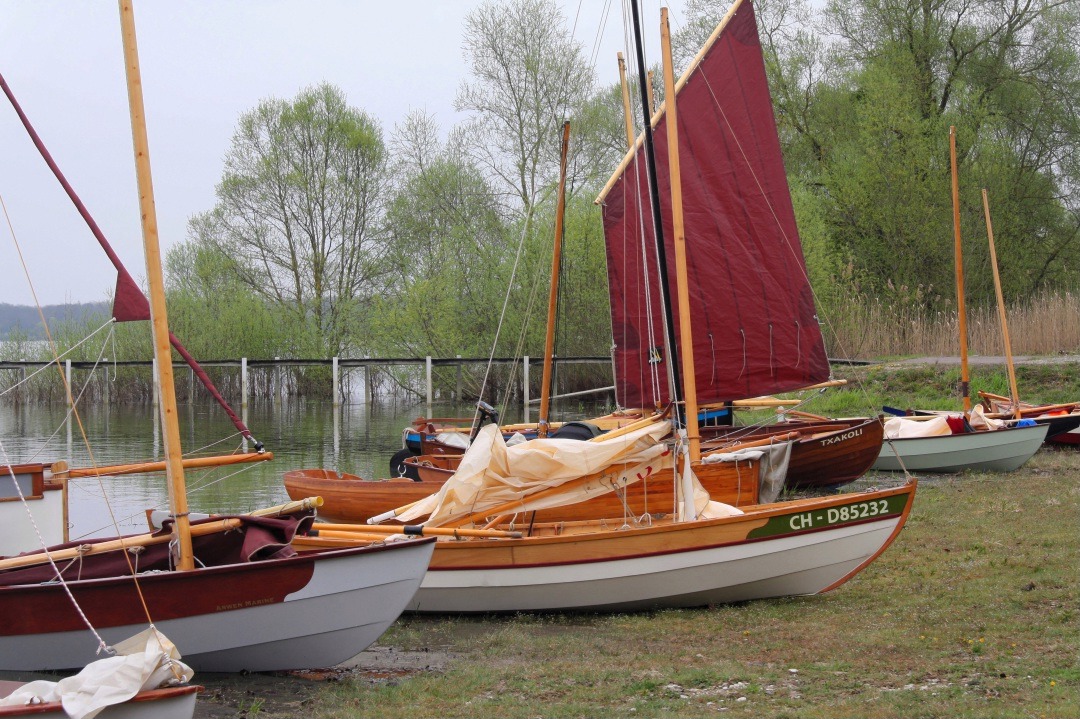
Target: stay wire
51 343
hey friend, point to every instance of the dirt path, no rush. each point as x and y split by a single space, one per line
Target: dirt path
282 695
987 360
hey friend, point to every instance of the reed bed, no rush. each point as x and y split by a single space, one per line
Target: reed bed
869 328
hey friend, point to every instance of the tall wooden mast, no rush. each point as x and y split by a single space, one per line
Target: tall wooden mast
626 103
158 317
553 295
686 337
1013 391
965 380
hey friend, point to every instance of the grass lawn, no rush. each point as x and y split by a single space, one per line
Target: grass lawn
971 613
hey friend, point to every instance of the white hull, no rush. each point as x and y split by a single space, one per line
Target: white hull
17 534
1002 450
45 502
348 603
793 565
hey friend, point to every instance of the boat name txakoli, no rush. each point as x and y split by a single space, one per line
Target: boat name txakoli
841 437
829 516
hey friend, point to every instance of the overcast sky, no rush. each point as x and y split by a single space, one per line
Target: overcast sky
204 63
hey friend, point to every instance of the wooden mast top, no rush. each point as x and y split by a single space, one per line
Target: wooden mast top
553 295
686 337
626 102
155 279
1001 310
961 310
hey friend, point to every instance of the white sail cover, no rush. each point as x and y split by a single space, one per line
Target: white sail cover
492 475
146 661
903 428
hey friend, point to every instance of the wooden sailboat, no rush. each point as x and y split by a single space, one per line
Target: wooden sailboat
934 442
688 550
826 453
235 596
1062 420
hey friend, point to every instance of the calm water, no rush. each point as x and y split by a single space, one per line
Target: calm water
358 439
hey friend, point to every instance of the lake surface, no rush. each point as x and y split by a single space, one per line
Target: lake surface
303 434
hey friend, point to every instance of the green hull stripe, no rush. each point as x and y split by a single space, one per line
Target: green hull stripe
853 512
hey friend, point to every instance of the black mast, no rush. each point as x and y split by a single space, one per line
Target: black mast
654 193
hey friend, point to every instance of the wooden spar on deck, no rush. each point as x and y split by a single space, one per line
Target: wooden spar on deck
112 470
113 545
773 401
965 379
1001 309
626 102
686 337
735 445
412 529
553 295
155 280
143 540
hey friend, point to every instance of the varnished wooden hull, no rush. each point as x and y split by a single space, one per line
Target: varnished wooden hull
348 498
790 548
828 454
312 610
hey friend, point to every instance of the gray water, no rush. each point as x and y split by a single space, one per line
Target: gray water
356 438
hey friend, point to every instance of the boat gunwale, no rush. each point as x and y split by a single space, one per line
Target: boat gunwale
762 515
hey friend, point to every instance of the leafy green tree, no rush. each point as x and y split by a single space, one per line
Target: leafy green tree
1008 76
449 262
299 212
527 75
216 315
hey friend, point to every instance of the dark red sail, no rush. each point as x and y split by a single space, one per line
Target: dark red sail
752 311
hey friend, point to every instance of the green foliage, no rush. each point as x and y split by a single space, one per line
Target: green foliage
297 217
864 123
420 242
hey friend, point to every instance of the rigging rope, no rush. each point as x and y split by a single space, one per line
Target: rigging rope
51 343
